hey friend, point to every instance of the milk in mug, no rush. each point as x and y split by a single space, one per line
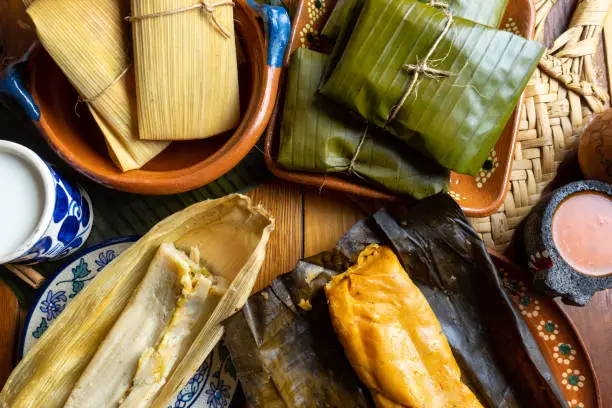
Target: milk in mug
43 216
22 202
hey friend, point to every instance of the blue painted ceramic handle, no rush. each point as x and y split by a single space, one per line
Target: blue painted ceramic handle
278 26
11 84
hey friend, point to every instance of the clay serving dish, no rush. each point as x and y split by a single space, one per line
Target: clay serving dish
478 196
556 335
184 165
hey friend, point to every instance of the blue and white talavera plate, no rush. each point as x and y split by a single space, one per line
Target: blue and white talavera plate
214 383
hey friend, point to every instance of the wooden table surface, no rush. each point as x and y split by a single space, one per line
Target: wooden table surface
307 222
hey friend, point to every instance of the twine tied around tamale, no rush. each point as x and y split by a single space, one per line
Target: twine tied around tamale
91 99
422 68
106 88
351 167
209 8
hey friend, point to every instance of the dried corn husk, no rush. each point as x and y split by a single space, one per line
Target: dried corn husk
154 331
88 40
186 70
230 235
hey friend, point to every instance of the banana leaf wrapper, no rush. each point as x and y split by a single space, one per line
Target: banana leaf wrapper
318 136
231 235
455 117
485 12
279 333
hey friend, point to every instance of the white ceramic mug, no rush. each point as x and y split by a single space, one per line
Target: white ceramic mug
43 216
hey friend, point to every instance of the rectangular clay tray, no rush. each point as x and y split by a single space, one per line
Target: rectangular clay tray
478 196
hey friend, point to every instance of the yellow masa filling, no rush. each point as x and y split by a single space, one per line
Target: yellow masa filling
200 292
392 337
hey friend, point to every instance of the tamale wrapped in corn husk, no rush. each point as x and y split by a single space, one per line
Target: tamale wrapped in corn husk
176 297
230 236
186 69
445 85
318 136
486 12
90 43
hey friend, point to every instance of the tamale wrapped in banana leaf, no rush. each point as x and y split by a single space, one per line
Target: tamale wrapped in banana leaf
90 43
485 12
375 301
273 340
318 136
443 84
227 237
186 68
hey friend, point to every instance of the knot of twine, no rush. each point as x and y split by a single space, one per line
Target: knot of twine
106 88
81 99
422 68
208 8
351 168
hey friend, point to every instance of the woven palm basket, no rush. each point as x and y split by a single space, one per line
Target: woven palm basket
560 99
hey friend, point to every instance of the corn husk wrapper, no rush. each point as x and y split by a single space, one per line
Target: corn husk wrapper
186 71
318 136
456 119
166 312
485 12
89 42
231 236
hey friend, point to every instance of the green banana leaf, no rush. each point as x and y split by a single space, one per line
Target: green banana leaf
341 14
287 355
456 119
485 12
318 136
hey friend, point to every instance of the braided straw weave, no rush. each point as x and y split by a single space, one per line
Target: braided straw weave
559 99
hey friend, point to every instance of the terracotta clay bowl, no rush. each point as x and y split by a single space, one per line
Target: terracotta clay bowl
478 196
556 336
184 165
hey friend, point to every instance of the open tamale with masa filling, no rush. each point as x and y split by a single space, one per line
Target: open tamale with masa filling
151 317
392 337
287 355
90 43
186 68
445 85
318 136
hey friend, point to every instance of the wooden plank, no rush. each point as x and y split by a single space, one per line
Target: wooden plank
594 324
9 322
284 202
607 32
327 217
